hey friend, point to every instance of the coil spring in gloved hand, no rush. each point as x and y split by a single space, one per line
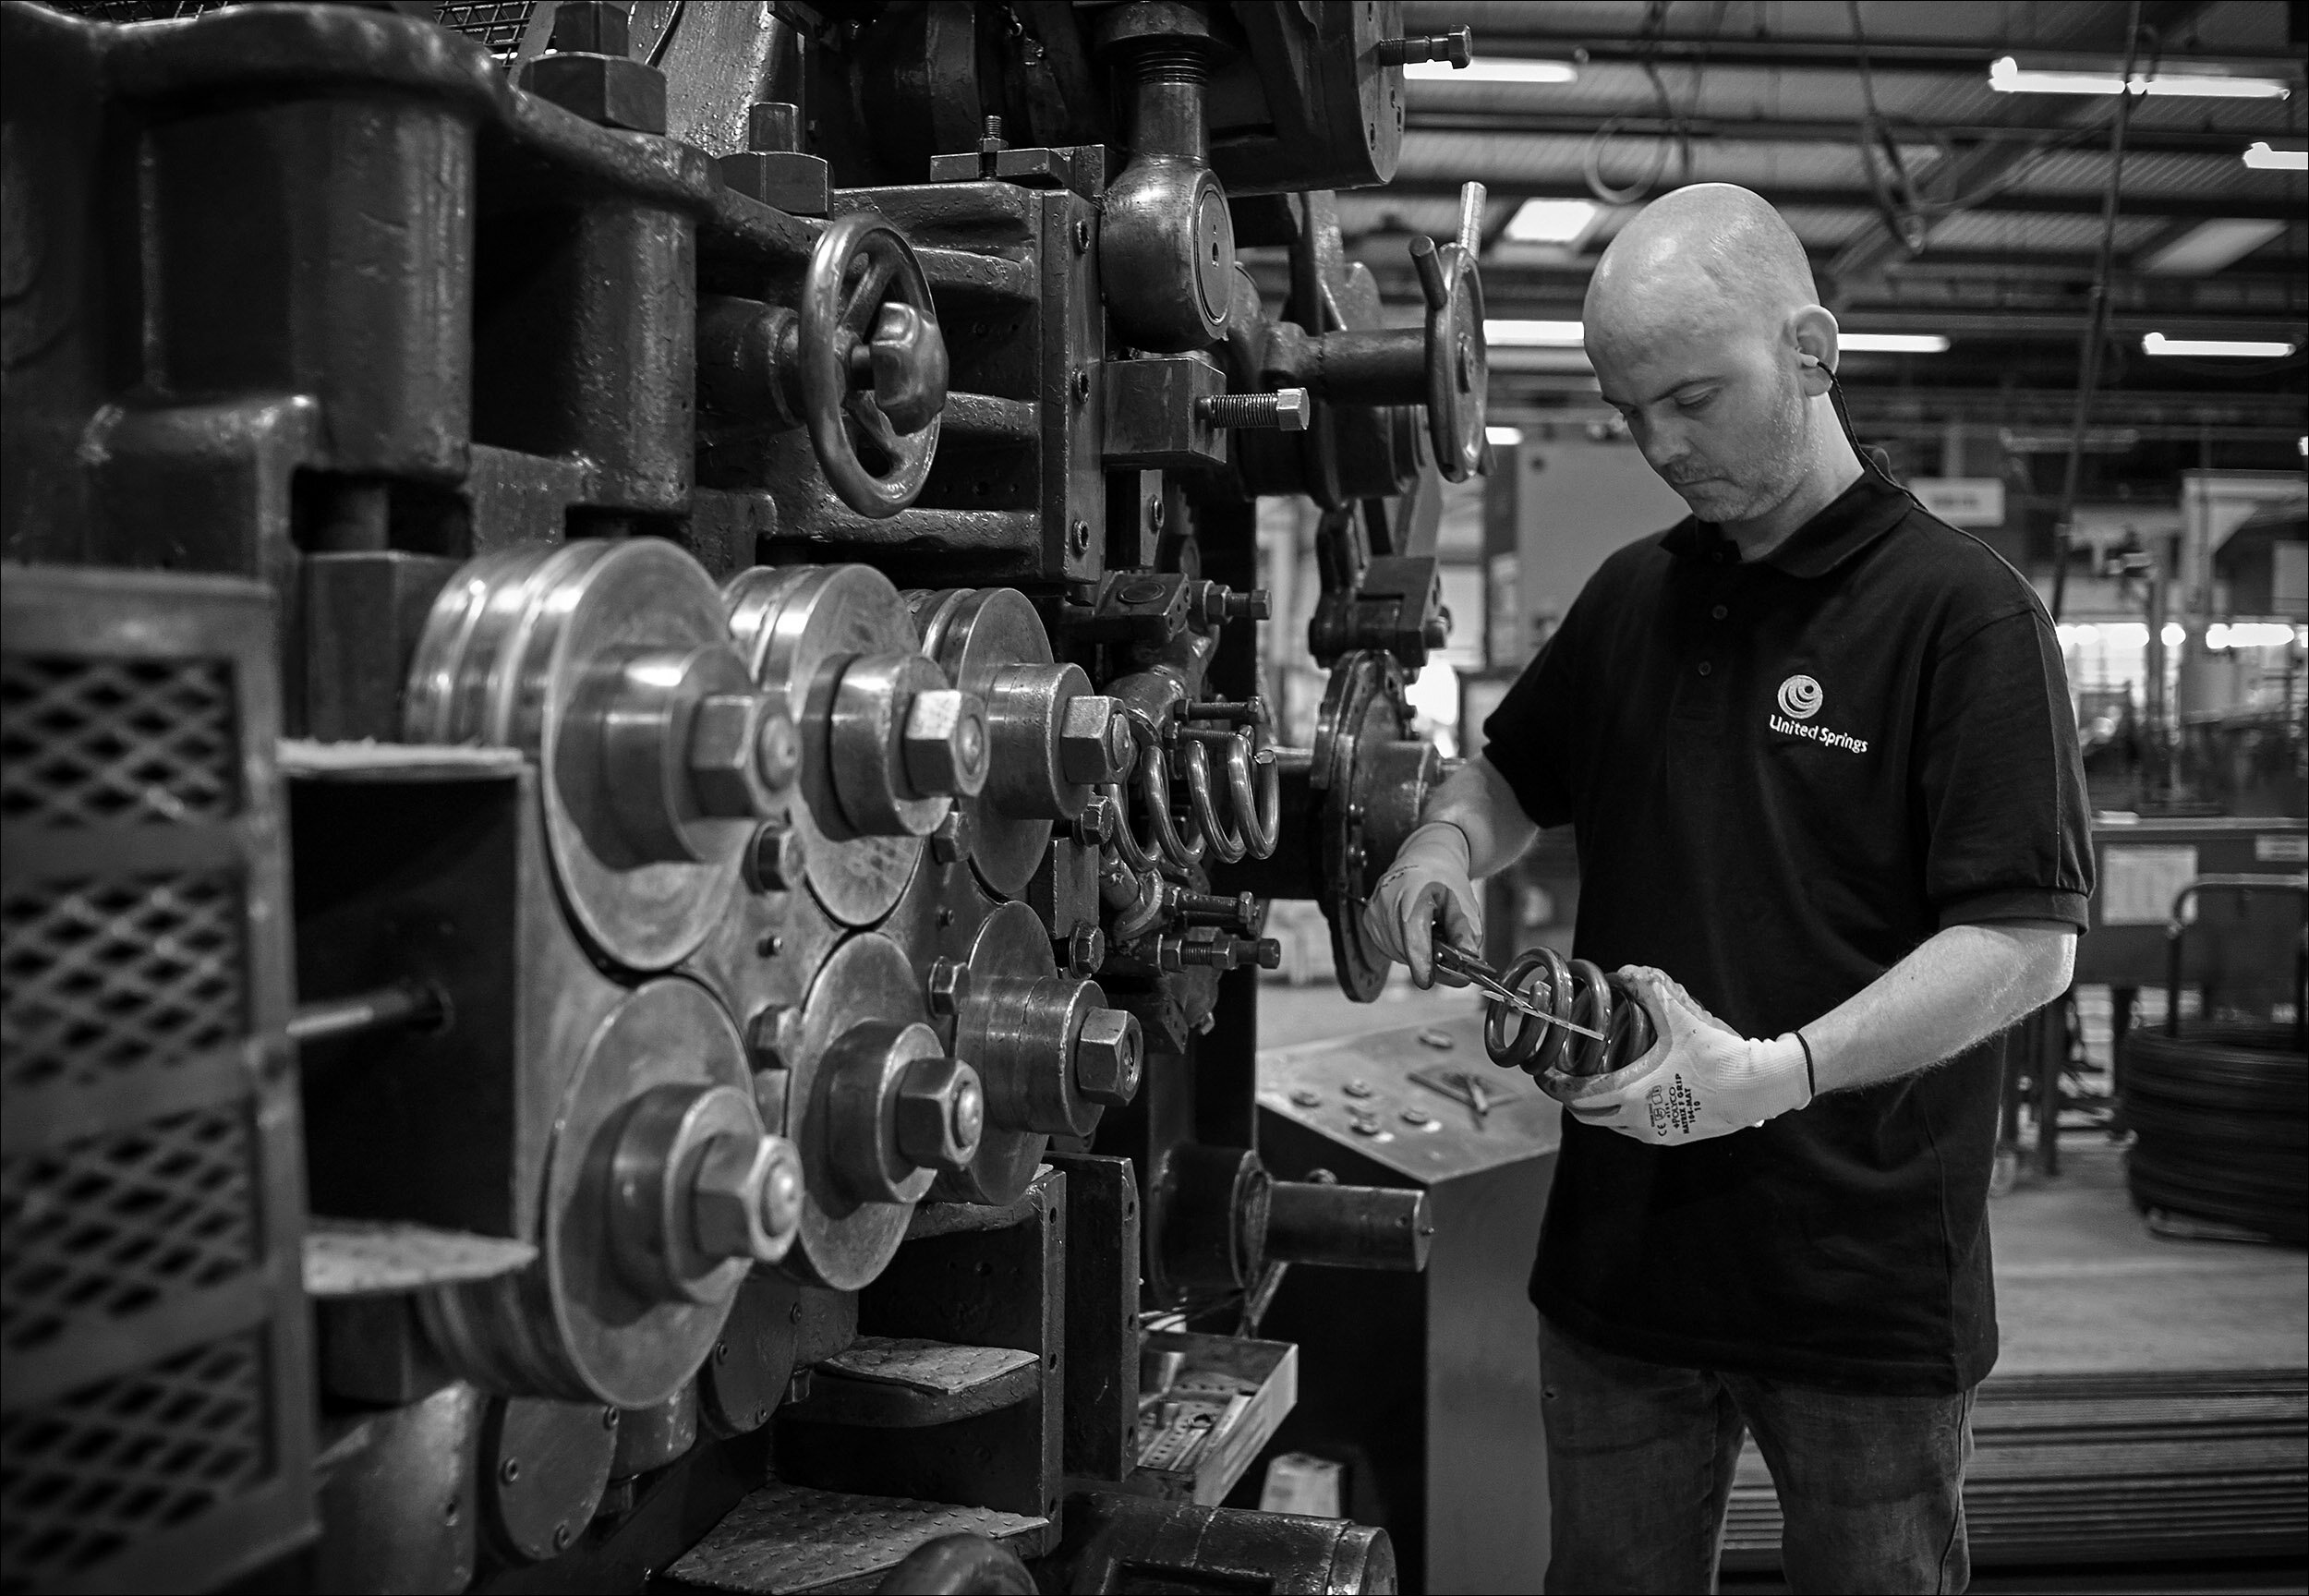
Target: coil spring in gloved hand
1571 989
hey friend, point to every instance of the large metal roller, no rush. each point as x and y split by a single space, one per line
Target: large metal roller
608 663
886 743
1052 1054
661 1191
1052 739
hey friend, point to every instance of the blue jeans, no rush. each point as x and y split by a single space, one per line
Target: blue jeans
1640 1460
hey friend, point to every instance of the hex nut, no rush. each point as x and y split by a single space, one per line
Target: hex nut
1094 827
1093 740
613 90
721 757
777 750
1084 951
1107 1056
1293 411
948 987
944 743
950 842
596 27
726 1198
775 859
941 1114
783 179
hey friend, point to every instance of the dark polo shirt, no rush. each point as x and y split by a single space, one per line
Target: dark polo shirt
1782 776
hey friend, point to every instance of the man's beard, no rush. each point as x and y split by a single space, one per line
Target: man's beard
1778 468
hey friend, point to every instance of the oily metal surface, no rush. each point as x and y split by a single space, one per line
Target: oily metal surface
789 1538
570 1325
974 633
843 1242
506 652
790 625
938 1368
1011 950
1361 708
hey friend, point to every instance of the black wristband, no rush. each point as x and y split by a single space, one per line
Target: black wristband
1810 1083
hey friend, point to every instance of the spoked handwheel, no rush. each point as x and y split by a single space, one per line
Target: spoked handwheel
873 364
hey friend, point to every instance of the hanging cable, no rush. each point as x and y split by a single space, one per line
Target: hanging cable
2096 322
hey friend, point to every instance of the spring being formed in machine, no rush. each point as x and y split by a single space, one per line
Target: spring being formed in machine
1573 990
1245 819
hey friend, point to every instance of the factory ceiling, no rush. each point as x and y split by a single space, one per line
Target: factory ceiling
1931 201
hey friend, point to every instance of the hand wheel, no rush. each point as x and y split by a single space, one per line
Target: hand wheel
1458 369
873 364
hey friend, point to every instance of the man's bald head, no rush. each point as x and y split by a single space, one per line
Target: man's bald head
1706 333
1712 252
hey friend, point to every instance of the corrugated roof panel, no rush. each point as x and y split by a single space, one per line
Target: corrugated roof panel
1509 158
2039 234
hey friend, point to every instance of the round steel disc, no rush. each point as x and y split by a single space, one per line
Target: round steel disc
974 633
1012 946
506 652
843 1243
789 621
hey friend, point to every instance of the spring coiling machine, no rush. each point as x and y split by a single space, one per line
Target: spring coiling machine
637 786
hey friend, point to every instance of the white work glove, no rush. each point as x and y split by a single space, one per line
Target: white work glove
1428 879
1701 1078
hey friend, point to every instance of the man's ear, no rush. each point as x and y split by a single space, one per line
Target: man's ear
1815 332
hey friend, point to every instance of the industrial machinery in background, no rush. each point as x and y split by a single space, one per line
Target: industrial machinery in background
639 813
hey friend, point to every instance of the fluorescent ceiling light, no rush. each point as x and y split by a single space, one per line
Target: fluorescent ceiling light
1534 334
1891 342
1503 436
2007 76
2261 158
2210 245
2250 348
2248 634
1493 70
1551 221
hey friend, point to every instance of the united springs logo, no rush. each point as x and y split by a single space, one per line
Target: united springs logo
1800 698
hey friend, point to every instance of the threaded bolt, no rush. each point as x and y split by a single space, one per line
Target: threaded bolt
1283 411
1457 47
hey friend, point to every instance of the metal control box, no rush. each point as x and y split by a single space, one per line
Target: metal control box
1426 1385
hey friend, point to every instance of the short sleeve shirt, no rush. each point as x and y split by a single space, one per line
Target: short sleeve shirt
1782 776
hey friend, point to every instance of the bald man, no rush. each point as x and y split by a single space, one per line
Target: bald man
1817 754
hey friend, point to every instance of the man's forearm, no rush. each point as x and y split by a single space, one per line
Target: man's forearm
1962 985
1477 799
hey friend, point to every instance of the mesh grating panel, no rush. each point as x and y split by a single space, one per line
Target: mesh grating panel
115 741
117 1223
495 23
115 1462
99 977
136 10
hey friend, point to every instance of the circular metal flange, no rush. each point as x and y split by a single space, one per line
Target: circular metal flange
544 1465
797 627
990 642
515 655
1017 1028
1367 768
845 1242
571 1324
1458 370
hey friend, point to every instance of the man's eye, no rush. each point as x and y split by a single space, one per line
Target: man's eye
1693 401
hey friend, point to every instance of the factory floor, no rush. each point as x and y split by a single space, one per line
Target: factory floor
2081 1284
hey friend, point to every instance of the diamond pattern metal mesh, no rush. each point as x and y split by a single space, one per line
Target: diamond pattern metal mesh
116 1225
98 977
115 741
114 1462
496 23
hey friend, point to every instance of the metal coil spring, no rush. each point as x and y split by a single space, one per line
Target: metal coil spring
1575 990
